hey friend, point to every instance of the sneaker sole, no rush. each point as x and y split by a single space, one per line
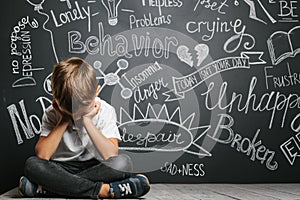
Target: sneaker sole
147 181
20 185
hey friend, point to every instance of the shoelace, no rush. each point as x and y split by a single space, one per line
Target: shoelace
125 189
40 190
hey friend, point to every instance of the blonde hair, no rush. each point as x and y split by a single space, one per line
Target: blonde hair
73 83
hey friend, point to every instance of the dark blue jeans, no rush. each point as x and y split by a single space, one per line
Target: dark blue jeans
81 179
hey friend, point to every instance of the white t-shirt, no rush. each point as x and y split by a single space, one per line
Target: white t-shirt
76 144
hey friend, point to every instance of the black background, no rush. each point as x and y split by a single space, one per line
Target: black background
226 164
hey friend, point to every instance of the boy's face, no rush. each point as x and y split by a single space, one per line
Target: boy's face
81 111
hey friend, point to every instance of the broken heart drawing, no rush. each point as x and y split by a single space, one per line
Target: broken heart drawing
185 56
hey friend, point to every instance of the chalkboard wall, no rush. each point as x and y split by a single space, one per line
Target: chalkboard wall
204 90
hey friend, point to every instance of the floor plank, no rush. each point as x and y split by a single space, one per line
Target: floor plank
285 188
207 192
233 192
268 191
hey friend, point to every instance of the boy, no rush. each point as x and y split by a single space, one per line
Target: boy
77 152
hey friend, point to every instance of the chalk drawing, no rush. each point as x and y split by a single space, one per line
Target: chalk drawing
144 140
272 102
253 13
47 84
202 53
184 55
38 7
288 11
185 169
213 5
111 79
255 57
189 82
250 147
283 45
291 149
111 7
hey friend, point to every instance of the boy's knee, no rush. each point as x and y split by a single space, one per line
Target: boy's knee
30 162
31 165
121 162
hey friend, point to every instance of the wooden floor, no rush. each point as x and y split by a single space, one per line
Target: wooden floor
210 192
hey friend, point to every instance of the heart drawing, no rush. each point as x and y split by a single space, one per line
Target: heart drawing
185 56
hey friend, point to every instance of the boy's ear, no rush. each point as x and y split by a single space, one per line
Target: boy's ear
98 90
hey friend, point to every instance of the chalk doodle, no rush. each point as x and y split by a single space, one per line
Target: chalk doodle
142 76
183 76
111 7
184 55
255 57
291 148
21 51
286 80
189 82
202 51
288 11
253 13
74 13
271 102
212 5
31 124
283 45
187 169
47 84
111 79
252 148
160 5
151 19
145 140
27 126
209 29
38 7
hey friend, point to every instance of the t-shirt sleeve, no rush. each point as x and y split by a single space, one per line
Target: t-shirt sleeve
109 127
49 121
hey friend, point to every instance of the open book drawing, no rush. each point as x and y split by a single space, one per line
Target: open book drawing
284 44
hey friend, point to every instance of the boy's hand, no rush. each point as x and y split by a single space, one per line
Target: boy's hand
64 118
94 110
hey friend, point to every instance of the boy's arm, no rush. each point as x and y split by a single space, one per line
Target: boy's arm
47 145
107 147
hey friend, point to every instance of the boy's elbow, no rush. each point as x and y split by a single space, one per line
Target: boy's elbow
115 152
110 154
41 155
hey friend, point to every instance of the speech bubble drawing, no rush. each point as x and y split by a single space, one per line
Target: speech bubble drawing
174 136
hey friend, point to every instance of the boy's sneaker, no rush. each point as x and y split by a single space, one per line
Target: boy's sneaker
133 187
29 189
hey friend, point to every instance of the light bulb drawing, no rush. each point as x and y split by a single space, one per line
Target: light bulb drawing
111 7
111 79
